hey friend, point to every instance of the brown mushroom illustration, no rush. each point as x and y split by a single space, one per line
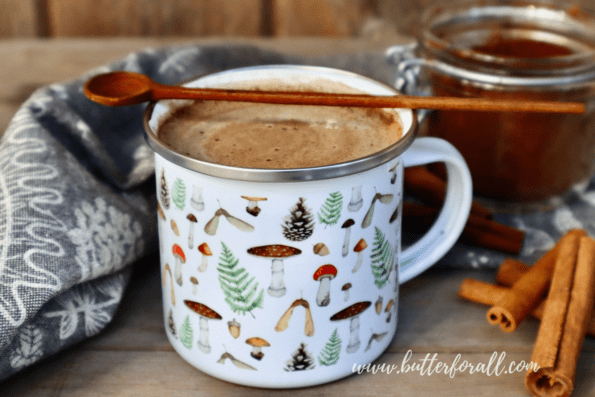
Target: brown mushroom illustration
193 221
324 274
167 270
356 199
205 250
352 312
174 227
206 314
346 287
347 226
194 282
321 249
180 259
257 345
359 248
252 207
234 328
160 211
389 306
277 252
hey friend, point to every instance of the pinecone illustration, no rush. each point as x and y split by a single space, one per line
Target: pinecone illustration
299 224
171 325
301 360
164 191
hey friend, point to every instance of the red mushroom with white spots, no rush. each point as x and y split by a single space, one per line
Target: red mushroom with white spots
205 250
324 274
352 313
276 252
206 314
180 259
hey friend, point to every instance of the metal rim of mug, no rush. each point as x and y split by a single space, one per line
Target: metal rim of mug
291 174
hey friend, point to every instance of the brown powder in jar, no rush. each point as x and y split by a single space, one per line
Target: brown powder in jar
520 157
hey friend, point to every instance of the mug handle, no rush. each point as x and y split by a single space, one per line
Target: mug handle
455 211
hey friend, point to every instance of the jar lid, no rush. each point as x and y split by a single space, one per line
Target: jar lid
520 38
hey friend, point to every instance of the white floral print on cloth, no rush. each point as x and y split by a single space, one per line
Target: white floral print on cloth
105 239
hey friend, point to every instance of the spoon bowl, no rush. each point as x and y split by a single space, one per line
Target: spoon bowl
119 88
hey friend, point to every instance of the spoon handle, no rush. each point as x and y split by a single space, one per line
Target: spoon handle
356 100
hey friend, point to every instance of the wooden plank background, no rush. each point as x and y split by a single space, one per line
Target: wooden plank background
191 18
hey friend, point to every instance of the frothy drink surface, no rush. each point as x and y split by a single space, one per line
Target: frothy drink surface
278 136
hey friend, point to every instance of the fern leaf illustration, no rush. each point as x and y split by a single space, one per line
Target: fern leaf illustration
331 351
186 333
241 292
330 212
382 259
178 194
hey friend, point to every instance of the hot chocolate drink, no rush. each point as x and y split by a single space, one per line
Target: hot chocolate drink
278 136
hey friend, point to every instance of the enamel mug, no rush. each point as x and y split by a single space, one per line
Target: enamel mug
288 278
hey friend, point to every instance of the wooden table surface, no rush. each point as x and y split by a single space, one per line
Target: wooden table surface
132 356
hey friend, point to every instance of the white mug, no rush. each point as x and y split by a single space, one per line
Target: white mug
287 278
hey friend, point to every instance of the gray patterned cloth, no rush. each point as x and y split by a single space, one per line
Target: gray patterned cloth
77 201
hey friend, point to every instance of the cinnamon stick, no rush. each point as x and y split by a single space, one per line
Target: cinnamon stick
488 294
525 294
431 189
510 271
478 231
565 320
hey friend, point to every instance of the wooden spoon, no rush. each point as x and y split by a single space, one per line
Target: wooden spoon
128 88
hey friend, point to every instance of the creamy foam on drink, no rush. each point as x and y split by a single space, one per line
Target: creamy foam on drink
278 136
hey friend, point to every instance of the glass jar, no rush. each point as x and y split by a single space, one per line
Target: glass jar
522 50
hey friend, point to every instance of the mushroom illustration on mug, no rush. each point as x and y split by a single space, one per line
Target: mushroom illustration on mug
324 274
257 345
352 312
205 313
205 250
276 252
347 226
253 208
356 201
180 260
346 287
359 249
193 221
194 282
196 200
